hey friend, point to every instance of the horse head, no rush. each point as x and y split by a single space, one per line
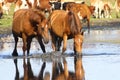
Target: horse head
40 22
78 41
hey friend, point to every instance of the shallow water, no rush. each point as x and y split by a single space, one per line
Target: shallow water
100 60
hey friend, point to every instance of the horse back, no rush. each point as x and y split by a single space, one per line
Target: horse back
25 21
58 21
64 22
86 8
17 21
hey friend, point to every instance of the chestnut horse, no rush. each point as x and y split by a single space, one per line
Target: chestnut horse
83 10
65 25
107 11
27 24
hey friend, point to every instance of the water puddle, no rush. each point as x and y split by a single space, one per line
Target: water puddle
100 60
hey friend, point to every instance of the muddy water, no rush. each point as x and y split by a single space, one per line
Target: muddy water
100 60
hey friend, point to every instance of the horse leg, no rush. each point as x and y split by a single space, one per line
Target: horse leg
42 71
64 43
16 69
54 42
117 14
41 44
15 48
117 11
61 67
55 70
24 38
88 24
66 73
59 44
29 40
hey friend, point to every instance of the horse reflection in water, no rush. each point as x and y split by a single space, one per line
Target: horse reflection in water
60 73
28 73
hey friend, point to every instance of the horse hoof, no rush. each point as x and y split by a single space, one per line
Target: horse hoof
78 54
14 54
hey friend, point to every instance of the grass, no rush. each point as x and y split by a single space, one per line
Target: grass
6 20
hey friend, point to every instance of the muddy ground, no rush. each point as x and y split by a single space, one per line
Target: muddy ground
95 24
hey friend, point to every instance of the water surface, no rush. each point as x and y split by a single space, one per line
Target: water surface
100 60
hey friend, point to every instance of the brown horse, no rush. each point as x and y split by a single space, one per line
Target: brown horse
107 11
44 4
27 24
65 25
60 72
83 10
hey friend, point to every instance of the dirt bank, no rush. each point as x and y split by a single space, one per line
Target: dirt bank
105 24
95 24
5 31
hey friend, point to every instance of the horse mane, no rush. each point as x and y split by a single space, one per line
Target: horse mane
40 13
34 20
73 20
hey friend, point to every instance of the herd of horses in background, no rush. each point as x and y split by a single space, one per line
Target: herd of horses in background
63 22
103 8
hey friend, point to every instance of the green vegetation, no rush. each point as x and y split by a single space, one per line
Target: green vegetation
6 20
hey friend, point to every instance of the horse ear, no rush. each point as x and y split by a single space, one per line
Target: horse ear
70 13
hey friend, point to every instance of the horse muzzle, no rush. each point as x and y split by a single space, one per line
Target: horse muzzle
46 40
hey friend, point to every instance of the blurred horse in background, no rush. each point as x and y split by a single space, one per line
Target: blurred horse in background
43 5
102 8
83 10
6 4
